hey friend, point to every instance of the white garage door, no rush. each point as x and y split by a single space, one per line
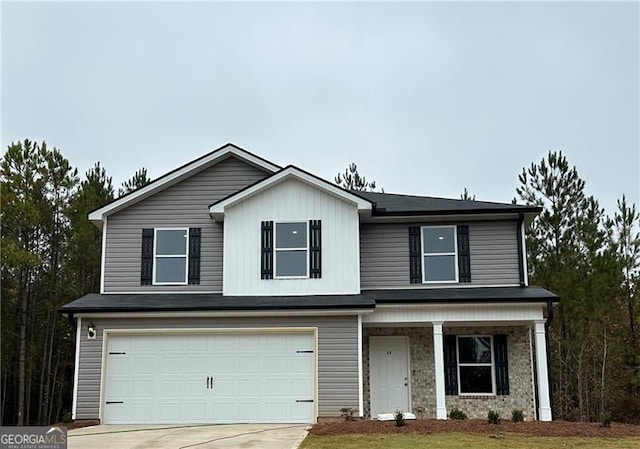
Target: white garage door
209 378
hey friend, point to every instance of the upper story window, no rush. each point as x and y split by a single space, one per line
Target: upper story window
170 256
475 365
292 246
297 246
439 254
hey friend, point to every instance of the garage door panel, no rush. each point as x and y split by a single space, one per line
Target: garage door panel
300 364
142 388
165 378
143 364
276 365
143 344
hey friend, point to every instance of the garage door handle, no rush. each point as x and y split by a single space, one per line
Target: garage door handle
304 400
115 402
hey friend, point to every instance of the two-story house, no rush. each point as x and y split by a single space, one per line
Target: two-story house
234 290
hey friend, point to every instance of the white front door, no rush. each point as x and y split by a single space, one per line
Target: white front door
389 374
210 378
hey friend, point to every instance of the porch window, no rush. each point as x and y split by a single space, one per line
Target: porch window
475 365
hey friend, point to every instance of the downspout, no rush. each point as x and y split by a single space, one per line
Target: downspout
72 321
520 250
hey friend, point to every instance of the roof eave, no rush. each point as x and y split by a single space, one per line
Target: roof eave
485 211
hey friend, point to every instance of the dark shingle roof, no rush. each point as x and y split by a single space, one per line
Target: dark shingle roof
394 204
461 295
180 302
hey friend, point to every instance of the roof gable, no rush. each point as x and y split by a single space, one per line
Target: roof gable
217 209
179 174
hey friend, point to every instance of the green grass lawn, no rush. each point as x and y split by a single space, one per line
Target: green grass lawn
464 441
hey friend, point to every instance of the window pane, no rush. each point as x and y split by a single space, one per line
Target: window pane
291 263
475 379
171 242
291 235
474 349
170 269
438 240
439 268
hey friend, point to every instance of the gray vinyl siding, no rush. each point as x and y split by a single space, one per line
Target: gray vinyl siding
182 205
337 355
384 254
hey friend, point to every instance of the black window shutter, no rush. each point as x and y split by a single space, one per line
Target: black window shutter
502 365
464 257
146 263
266 256
450 365
194 256
315 246
415 254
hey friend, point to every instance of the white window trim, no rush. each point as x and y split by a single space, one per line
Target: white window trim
185 255
454 253
492 365
276 250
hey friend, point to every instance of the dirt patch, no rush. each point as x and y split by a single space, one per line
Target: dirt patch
78 424
427 426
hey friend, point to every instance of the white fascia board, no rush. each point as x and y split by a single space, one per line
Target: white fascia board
173 177
217 210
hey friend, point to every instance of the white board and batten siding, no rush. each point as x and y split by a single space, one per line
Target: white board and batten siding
183 205
384 260
337 353
291 200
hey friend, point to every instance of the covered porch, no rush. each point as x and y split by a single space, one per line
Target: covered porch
429 359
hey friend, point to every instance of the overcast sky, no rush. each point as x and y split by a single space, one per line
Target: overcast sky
427 98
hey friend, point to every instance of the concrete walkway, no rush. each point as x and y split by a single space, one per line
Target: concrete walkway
245 436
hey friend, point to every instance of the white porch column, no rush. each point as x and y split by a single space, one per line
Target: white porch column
544 404
438 359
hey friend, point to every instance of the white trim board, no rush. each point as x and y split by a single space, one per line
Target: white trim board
76 369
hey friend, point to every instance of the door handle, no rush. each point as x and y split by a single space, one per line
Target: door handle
208 382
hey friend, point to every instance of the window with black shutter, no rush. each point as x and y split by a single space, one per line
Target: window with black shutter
473 362
291 249
439 254
170 256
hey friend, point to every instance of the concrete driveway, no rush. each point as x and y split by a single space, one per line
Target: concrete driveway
246 436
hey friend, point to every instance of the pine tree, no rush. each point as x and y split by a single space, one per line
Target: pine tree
95 191
139 179
351 180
